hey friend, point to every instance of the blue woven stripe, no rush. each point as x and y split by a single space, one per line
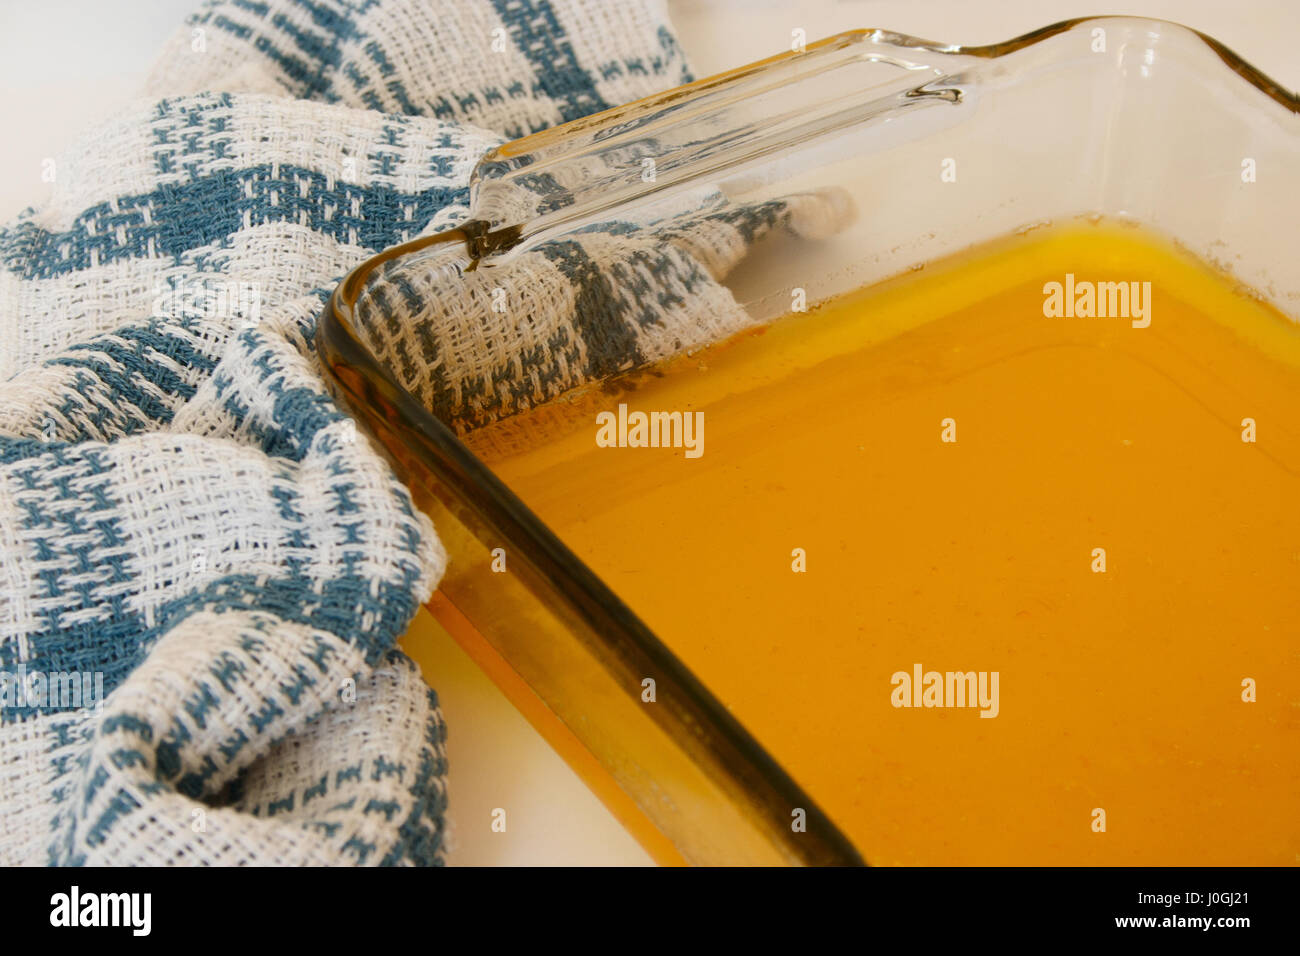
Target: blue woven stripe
421 833
213 208
127 366
297 415
339 607
537 32
317 52
375 53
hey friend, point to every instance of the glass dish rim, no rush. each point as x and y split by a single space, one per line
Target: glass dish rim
353 369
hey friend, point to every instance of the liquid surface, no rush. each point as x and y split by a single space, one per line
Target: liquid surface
1119 690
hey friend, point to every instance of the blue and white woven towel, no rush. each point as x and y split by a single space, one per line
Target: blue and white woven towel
202 572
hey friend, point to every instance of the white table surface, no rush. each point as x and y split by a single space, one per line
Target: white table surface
65 64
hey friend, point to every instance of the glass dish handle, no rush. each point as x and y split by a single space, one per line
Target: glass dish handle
693 136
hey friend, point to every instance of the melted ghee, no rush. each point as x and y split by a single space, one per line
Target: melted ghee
1121 689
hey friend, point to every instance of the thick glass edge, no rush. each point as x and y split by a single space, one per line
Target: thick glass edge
752 770
1290 99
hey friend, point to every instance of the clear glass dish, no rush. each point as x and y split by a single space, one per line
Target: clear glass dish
903 153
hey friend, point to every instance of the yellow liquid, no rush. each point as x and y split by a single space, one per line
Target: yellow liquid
1119 690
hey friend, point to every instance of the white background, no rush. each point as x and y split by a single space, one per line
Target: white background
65 64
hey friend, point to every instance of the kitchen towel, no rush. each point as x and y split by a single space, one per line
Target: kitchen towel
203 569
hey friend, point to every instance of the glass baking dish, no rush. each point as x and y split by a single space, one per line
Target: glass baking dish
867 161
